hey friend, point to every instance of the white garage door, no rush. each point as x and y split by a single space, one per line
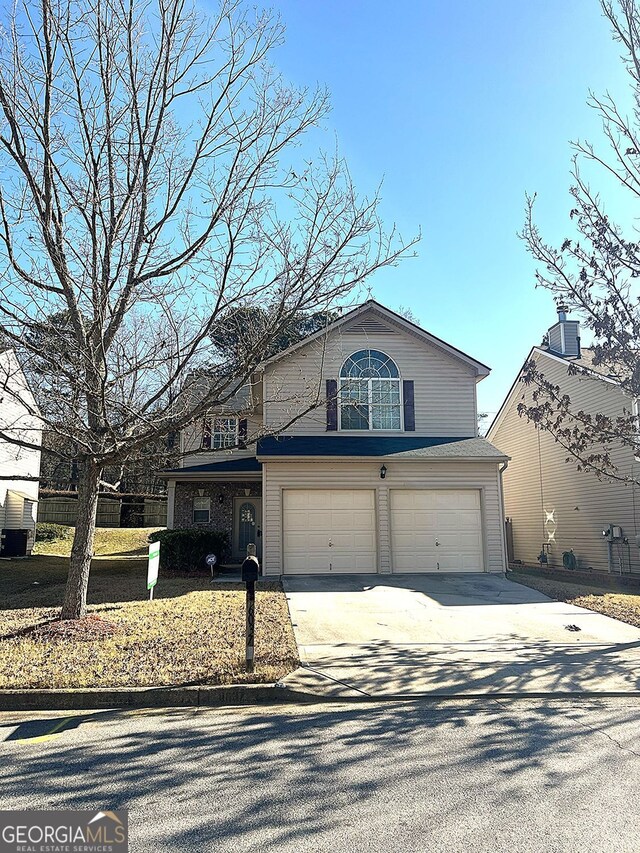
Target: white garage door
329 530
435 530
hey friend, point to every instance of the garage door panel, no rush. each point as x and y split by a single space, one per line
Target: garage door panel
415 519
409 563
304 541
306 563
422 517
349 540
344 519
350 562
460 540
421 541
352 499
459 563
458 520
314 517
418 499
458 499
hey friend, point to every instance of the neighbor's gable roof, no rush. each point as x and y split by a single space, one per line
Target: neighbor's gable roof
585 362
371 305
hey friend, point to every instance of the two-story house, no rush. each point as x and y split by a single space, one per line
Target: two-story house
19 464
361 455
553 508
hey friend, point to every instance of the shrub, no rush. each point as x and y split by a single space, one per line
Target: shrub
46 532
187 549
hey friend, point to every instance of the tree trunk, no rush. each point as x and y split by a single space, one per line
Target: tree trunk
75 595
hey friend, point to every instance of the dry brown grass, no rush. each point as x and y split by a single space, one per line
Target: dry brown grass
109 541
624 606
192 633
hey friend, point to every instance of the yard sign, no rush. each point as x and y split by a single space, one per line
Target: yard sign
154 564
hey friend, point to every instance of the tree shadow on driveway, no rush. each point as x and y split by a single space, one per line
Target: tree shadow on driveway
505 667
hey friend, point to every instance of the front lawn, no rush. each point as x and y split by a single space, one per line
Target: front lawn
624 606
192 633
109 541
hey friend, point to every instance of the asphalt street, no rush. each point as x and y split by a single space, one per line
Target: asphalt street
486 775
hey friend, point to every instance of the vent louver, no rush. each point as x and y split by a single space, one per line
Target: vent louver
370 327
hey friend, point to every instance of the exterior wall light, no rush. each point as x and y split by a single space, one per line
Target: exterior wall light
383 472
220 498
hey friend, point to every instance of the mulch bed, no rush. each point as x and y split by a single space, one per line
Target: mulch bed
91 627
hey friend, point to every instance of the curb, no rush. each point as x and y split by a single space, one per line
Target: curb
217 696
147 697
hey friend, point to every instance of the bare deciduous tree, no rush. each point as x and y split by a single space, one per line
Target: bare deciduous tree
145 194
595 272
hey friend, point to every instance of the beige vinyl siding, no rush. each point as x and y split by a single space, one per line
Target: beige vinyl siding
444 387
550 501
29 509
482 476
14 510
521 483
192 441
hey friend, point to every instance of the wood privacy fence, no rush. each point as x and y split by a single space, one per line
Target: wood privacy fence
144 513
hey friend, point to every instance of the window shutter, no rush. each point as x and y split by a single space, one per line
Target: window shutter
242 433
332 404
206 433
409 406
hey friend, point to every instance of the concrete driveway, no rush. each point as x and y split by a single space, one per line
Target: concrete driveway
463 635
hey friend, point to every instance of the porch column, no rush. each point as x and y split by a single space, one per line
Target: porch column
171 500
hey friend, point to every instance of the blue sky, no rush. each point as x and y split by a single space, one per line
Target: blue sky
461 108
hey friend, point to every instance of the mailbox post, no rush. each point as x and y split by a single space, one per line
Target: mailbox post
250 574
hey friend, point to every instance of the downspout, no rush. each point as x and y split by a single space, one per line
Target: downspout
503 518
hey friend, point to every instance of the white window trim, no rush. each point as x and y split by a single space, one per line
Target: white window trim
234 435
369 380
207 510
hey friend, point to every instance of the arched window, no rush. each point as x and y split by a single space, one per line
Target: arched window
370 392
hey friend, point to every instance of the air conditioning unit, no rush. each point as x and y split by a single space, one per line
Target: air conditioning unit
13 543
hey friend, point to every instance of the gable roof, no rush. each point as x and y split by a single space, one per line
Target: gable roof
481 369
585 362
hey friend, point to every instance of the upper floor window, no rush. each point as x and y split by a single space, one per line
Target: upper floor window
370 392
219 433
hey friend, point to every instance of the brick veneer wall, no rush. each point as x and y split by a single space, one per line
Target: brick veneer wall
221 515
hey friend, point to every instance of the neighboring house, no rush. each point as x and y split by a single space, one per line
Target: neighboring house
551 506
384 472
18 494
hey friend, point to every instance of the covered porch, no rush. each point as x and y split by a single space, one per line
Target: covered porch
223 496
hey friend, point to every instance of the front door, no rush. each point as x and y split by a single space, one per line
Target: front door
247 527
